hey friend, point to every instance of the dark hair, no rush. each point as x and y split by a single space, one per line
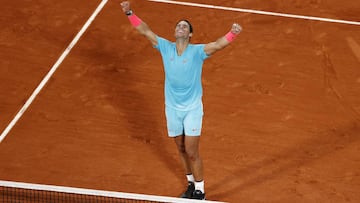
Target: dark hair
190 26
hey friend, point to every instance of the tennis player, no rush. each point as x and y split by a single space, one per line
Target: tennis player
183 63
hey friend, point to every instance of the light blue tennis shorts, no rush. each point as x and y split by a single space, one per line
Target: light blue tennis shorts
187 123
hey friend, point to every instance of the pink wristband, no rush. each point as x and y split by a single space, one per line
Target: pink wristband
134 20
230 36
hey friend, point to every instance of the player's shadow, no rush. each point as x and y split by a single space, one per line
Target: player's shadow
132 97
311 150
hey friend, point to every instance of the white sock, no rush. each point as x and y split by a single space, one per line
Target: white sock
190 178
199 186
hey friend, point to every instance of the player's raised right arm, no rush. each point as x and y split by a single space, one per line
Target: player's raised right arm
140 25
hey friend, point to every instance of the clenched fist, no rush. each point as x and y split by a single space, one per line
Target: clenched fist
125 5
236 28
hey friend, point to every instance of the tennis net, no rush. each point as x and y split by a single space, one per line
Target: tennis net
19 192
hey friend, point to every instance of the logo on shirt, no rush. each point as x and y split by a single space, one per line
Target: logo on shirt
183 61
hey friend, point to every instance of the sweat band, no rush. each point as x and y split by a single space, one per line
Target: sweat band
230 36
134 20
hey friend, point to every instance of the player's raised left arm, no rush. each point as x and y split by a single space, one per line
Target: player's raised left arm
223 41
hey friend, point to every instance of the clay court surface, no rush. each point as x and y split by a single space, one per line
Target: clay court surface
281 103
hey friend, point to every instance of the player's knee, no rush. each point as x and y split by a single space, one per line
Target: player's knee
181 148
192 154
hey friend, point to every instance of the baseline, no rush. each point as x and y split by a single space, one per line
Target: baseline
258 12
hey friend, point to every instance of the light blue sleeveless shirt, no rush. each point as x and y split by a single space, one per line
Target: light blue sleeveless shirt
183 89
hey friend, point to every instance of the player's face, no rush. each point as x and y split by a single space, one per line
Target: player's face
182 30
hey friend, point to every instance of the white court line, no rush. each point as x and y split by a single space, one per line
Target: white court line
52 70
258 12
